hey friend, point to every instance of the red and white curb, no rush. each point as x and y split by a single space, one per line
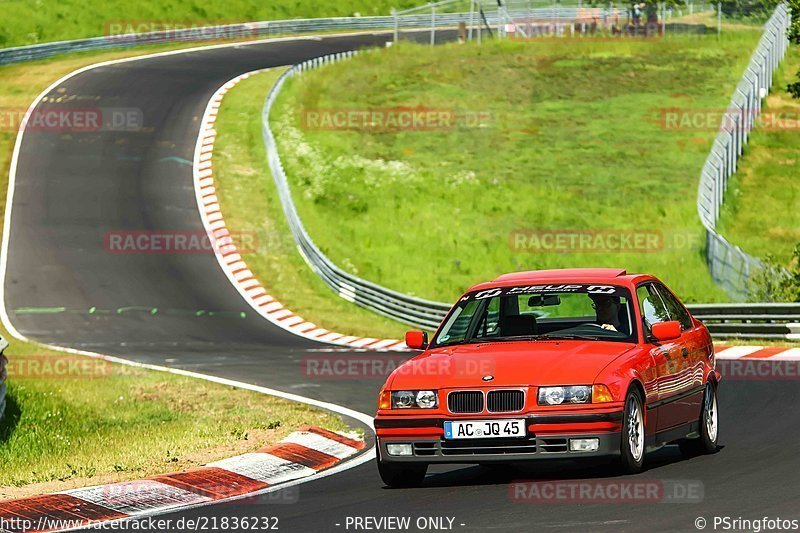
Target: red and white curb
769 353
230 258
301 454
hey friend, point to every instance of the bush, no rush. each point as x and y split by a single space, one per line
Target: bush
775 283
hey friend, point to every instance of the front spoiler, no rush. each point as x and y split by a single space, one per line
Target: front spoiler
440 451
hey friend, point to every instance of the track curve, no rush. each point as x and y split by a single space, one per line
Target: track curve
62 287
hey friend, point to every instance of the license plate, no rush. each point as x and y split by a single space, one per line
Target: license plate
483 429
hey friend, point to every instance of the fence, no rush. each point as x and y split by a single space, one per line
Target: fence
541 18
729 265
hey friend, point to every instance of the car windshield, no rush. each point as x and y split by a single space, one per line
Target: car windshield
573 311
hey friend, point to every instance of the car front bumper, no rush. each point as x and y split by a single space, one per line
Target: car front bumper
548 437
427 450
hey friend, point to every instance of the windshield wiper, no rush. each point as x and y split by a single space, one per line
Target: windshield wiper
502 339
568 336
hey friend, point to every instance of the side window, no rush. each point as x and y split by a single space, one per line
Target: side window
676 310
651 306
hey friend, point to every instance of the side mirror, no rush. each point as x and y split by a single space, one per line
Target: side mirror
416 340
666 331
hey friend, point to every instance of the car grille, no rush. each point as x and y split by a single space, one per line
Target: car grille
465 402
505 401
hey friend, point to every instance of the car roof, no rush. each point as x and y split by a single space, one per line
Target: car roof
616 276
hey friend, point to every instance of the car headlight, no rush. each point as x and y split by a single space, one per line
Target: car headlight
561 395
408 399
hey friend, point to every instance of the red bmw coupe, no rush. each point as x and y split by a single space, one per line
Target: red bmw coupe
551 364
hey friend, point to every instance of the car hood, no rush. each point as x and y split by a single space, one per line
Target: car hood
517 364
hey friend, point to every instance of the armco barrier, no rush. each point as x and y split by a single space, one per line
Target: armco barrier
766 321
750 321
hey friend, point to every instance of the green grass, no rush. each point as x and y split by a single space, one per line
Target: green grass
761 213
24 23
248 199
117 422
576 142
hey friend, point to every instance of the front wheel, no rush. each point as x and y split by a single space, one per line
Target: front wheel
709 426
402 475
632 441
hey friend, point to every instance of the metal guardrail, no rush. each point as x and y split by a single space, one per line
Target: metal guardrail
3 375
750 321
728 264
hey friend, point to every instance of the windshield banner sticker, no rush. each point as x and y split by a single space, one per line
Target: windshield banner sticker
536 289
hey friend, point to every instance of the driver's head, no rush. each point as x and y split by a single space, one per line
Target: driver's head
606 307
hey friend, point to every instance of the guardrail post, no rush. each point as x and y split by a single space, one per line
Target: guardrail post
433 24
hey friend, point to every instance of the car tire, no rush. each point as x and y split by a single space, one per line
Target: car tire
402 475
706 443
632 447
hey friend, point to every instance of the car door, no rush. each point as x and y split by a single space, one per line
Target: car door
690 376
666 356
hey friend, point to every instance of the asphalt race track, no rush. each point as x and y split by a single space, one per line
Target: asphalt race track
71 189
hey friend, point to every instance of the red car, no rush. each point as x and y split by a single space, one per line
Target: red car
551 364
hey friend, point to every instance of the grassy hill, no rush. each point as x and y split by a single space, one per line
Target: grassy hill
571 140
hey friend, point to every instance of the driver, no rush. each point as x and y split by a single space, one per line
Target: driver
607 310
